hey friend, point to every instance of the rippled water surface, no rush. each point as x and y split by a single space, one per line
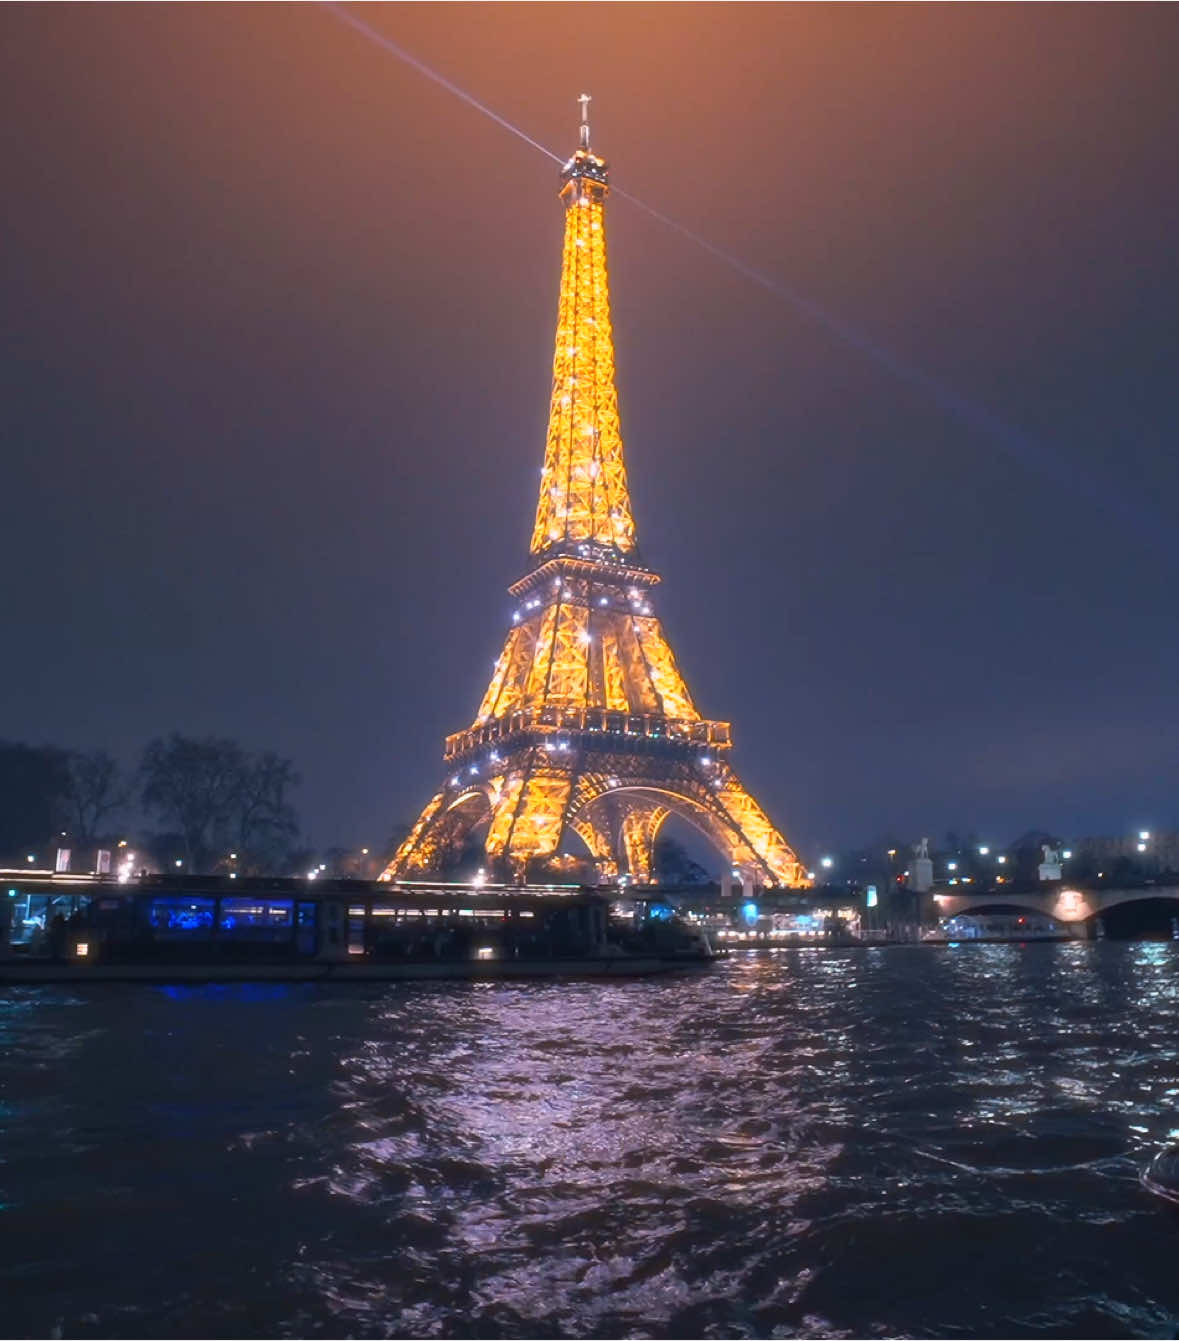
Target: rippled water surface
817 1143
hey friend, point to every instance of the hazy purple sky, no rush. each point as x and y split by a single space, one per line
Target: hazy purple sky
278 331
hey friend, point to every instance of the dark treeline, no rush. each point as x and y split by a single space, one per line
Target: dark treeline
207 804
206 797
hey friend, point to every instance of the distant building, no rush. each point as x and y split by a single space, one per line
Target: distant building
1157 850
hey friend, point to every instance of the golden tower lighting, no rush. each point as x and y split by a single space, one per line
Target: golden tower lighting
587 725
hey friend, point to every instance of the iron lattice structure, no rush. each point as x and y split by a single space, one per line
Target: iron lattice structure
587 725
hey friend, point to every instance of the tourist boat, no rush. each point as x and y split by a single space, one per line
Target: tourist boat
193 929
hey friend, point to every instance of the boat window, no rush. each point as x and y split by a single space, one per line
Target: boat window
239 913
181 914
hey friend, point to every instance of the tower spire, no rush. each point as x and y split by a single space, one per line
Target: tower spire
584 500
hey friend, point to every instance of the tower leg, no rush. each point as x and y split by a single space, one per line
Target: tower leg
600 846
438 835
638 829
761 850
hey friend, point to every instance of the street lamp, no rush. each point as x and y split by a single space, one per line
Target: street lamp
827 862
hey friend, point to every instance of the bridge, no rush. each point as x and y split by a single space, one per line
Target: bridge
1071 907
1074 908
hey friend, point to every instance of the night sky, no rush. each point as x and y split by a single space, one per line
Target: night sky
277 343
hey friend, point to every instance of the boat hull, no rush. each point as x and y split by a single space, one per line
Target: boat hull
619 966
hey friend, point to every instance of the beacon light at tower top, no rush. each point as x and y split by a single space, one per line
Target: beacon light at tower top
587 726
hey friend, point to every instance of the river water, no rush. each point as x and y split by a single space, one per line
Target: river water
882 1142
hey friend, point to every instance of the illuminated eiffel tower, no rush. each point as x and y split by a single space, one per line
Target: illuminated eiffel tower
587 725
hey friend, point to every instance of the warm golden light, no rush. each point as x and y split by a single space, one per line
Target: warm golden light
583 490
587 724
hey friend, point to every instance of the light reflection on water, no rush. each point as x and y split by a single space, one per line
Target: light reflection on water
881 1142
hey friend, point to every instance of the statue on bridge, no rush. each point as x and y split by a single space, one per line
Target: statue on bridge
1050 867
921 873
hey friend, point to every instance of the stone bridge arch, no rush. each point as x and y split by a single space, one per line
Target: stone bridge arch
1063 904
1115 898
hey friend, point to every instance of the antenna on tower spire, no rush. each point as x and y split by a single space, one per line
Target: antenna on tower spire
584 165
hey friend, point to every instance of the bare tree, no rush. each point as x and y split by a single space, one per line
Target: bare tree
195 785
96 790
34 781
266 821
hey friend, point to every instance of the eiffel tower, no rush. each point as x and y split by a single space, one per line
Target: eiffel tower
587 725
